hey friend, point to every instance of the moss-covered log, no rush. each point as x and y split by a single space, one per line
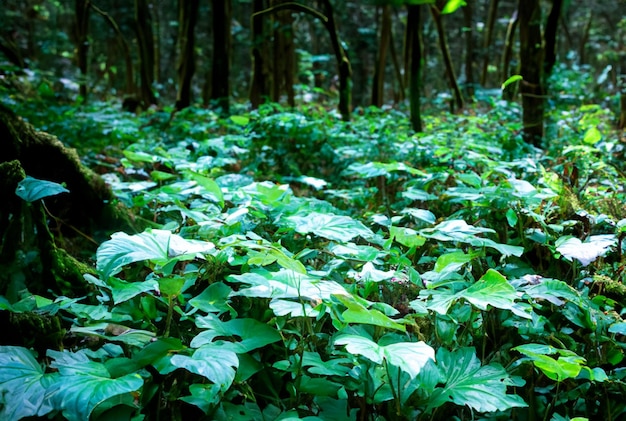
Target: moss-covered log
40 240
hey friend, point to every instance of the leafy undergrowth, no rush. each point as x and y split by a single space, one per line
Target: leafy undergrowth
304 268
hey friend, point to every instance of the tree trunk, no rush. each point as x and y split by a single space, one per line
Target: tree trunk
220 69
82 43
491 21
550 36
130 80
379 71
468 23
413 52
187 19
345 70
509 40
30 255
447 58
145 41
283 55
261 76
531 60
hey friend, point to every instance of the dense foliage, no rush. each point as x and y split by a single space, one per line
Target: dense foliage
301 267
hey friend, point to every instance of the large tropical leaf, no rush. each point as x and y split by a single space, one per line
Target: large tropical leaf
327 225
410 357
467 383
83 384
158 246
22 390
214 362
31 189
245 334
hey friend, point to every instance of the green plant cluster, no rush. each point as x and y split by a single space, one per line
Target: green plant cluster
304 268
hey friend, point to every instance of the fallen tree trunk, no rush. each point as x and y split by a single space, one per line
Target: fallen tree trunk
41 241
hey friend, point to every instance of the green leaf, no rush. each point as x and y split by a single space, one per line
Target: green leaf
510 80
244 334
31 189
567 365
83 384
587 252
406 236
211 361
158 246
492 289
467 383
327 225
123 291
22 387
592 136
209 185
214 299
410 357
240 120
452 6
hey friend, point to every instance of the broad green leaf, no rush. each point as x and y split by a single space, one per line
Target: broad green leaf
421 215
355 251
83 384
123 291
209 185
567 365
240 120
330 226
467 383
286 284
22 386
406 236
512 79
587 252
214 299
31 189
619 328
451 262
211 361
237 335
357 312
554 291
452 6
158 246
410 357
376 169
116 333
592 136
204 396
492 289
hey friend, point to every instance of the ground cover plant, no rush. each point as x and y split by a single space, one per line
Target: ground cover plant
295 266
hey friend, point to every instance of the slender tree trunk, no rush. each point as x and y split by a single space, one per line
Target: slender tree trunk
284 55
468 22
491 21
531 58
507 53
130 80
447 58
261 77
143 26
582 57
82 43
379 71
345 70
343 63
158 77
550 36
187 19
413 53
220 73
396 67
622 89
